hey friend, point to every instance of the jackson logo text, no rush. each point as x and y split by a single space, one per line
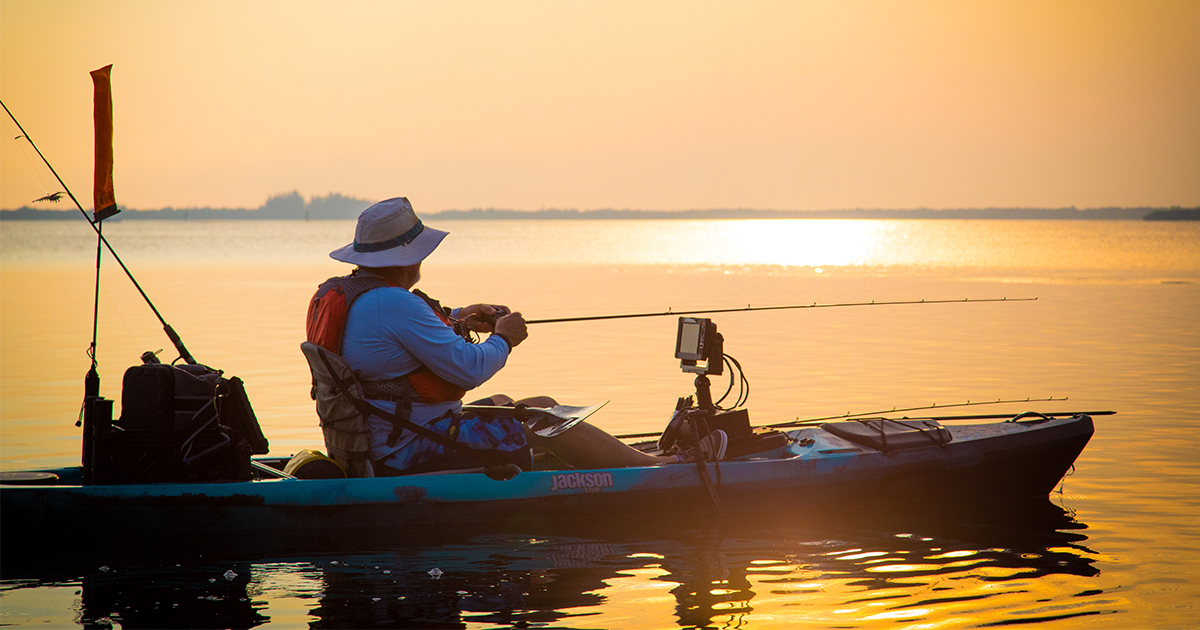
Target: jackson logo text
590 482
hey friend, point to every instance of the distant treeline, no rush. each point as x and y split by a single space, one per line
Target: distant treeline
1175 214
285 206
292 206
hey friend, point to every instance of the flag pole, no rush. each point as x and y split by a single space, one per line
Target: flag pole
105 204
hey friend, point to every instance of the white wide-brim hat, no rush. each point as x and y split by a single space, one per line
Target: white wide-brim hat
389 234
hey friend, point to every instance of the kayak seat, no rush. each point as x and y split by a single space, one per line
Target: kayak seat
886 435
336 390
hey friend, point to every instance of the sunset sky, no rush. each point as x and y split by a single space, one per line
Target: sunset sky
644 105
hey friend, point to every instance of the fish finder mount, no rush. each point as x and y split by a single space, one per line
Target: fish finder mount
700 350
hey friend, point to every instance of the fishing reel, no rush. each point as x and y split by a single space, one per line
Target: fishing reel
684 421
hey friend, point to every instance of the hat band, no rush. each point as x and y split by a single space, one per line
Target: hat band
399 241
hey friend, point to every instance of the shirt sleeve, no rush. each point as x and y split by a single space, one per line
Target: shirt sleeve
408 334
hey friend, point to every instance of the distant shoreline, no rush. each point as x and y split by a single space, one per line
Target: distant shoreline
350 211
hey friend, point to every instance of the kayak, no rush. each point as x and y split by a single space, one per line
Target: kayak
851 461
179 461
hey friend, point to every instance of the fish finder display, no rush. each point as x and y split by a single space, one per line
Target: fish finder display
689 343
698 346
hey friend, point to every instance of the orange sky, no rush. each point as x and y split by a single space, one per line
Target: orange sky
647 105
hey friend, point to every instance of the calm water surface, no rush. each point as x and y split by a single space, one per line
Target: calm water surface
1116 326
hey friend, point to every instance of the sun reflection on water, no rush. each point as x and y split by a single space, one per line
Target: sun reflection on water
799 243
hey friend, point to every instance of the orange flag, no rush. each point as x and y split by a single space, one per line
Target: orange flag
102 193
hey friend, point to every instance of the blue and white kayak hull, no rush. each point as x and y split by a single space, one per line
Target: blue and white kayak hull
816 466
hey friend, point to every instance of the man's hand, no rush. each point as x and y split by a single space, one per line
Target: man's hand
512 328
482 317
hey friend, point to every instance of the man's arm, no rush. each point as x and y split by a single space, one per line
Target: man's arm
512 329
419 331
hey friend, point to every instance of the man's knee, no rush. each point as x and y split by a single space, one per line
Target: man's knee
538 401
500 400
495 400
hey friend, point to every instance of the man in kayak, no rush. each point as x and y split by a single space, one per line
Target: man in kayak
409 350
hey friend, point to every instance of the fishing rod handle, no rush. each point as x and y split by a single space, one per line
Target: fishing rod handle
183 351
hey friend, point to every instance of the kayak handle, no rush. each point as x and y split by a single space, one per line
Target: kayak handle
1038 417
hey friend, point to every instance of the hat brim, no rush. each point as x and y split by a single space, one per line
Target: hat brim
410 254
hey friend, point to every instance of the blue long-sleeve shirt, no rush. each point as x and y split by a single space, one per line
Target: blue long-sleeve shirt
389 333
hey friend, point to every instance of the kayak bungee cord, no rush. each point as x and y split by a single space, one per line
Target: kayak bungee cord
669 312
171 334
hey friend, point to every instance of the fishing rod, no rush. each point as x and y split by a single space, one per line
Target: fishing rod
1026 414
747 308
809 421
171 334
798 422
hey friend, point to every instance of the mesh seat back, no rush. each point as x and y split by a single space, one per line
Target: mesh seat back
347 434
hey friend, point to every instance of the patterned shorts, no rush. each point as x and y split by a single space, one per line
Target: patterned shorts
505 435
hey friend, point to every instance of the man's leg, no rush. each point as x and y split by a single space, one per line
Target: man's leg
500 400
587 446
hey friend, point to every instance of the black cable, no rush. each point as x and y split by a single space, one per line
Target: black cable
735 372
743 383
717 404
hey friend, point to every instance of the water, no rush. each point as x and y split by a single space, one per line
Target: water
1116 326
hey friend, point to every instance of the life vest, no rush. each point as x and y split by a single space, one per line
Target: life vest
327 312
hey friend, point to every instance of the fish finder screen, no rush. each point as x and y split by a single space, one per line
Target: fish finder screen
691 335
